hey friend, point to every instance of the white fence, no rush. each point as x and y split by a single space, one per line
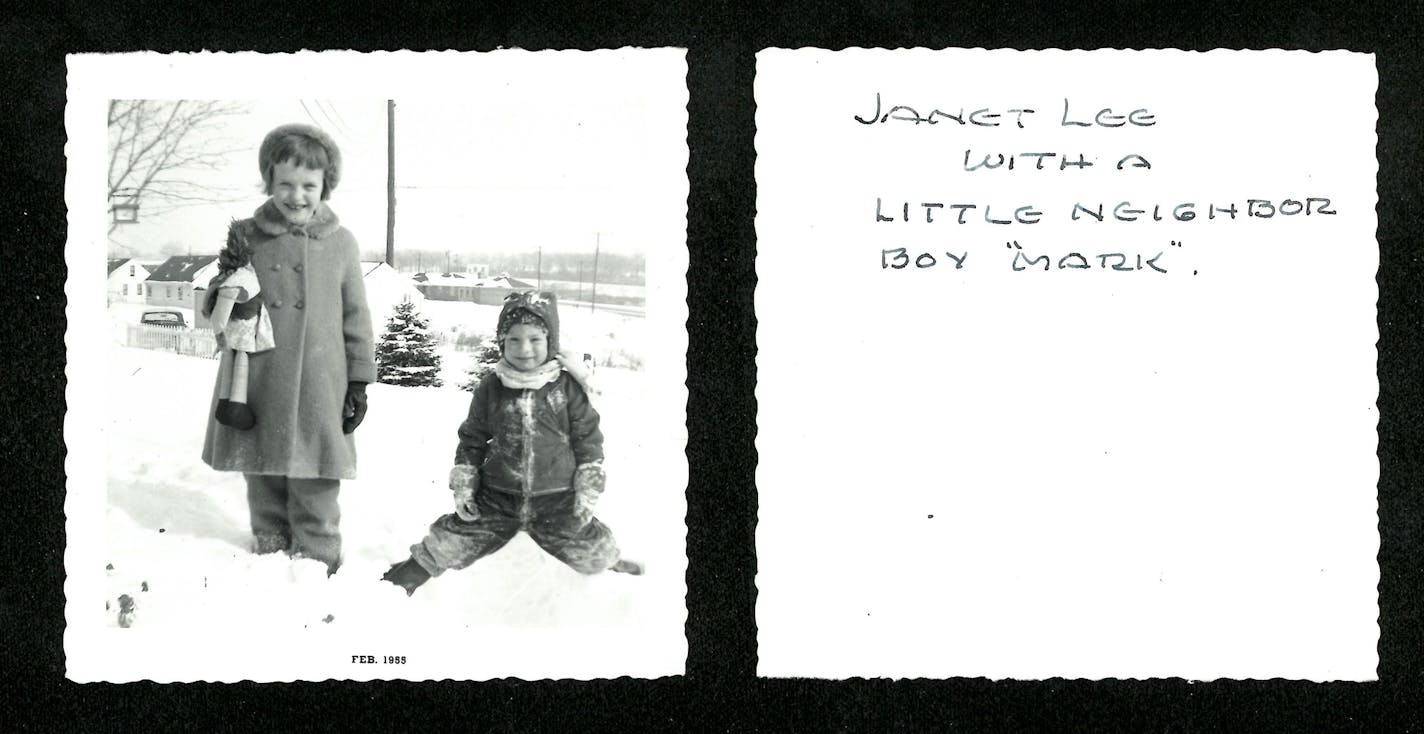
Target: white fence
192 342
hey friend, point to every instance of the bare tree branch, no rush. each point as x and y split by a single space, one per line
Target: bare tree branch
154 143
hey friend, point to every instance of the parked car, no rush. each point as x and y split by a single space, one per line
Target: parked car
169 319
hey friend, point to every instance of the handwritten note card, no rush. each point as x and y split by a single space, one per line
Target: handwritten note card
1066 364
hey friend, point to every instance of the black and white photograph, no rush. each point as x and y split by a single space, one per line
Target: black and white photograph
383 373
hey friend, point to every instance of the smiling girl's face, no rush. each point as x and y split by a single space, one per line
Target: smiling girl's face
296 191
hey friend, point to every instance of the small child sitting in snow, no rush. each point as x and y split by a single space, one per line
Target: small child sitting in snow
530 458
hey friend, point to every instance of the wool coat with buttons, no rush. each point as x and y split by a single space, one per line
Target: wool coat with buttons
313 290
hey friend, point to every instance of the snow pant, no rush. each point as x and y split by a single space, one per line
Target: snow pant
549 519
296 515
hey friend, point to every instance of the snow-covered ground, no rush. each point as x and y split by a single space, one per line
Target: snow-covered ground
177 533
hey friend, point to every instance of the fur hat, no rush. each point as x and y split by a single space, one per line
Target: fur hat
332 172
529 307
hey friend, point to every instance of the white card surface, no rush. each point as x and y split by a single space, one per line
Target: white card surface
537 154
1068 414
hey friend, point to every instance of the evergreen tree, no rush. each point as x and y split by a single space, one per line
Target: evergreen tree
406 352
486 355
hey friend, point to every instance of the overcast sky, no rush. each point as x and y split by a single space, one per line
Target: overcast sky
551 154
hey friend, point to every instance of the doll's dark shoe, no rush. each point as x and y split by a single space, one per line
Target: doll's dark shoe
632 568
235 415
408 575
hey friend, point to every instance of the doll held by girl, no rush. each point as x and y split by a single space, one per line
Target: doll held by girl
243 327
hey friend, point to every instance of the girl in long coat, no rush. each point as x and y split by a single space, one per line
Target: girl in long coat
308 393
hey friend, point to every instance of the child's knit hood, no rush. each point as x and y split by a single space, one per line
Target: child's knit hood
518 306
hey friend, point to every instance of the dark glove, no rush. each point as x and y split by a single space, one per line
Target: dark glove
353 410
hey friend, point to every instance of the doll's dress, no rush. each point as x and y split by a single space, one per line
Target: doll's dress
249 328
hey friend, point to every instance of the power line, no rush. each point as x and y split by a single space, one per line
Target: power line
306 109
330 124
326 112
340 120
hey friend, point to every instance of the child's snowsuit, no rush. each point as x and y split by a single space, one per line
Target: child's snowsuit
527 444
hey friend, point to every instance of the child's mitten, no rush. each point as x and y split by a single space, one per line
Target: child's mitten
588 485
464 480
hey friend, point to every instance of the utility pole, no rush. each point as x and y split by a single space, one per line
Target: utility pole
580 295
391 182
539 268
593 299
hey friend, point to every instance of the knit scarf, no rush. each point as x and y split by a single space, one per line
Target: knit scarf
533 380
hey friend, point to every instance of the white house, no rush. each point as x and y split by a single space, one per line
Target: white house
178 282
385 288
126 277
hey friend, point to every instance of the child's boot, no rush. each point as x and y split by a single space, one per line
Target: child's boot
632 568
235 415
408 575
263 543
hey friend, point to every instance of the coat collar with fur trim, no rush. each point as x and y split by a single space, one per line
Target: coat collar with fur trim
323 222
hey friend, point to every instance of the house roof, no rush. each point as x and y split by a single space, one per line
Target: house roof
466 281
181 268
116 263
454 279
511 282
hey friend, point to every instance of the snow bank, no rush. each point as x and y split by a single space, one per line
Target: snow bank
177 530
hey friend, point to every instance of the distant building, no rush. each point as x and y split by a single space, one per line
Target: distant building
462 287
175 282
126 277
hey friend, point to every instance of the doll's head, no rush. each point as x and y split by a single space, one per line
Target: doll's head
236 253
300 166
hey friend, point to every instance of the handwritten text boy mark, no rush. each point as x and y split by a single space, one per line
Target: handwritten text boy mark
897 258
